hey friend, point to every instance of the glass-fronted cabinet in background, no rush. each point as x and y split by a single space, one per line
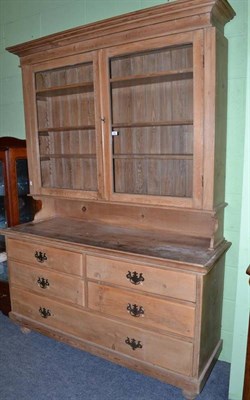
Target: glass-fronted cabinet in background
15 205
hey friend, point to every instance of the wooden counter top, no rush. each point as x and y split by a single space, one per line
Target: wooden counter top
136 241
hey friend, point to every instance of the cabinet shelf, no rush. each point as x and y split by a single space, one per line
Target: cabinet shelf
156 77
65 90
45 131
46 157
151 124
154 156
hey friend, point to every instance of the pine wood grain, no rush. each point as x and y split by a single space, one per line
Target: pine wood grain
158 314
60 260
162 245
106 332
168 283
65 287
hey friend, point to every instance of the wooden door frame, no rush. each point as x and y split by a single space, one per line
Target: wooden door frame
246 390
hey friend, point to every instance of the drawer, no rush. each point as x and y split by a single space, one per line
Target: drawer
47 283
141 309
45 256
156 349
179 285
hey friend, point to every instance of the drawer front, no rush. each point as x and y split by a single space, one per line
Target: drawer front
179 285
141 309
166 352
47 283
45 256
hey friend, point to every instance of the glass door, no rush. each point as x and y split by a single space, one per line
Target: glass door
66 125
3 220
3 216
152 124
26 206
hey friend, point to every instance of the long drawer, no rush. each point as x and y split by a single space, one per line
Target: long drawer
161 350
45 256
179 285
141 309
47 283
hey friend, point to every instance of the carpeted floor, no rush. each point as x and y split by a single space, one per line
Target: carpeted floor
34 367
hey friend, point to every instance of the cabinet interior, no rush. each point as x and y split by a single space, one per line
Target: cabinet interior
66 127
151 97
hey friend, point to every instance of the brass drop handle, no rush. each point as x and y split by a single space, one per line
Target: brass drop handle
40 256
43 283
135 278
133 343
135 311
44 312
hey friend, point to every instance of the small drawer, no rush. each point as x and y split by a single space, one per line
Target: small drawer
45 256
141 309
179 285
164 351
47 283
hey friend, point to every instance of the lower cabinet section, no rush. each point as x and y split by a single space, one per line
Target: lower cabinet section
163 351
142 313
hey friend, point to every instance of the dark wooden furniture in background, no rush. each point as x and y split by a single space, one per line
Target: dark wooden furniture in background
246 392
15 206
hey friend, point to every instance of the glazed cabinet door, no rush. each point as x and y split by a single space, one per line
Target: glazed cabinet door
64 132
155 132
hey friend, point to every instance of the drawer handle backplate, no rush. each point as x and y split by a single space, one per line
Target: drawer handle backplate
133 343
135 278
44 312
41 257
135 311
43 283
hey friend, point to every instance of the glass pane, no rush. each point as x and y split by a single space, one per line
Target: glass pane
3 270
68 160
152 122
25 203
160 60
157 102
69 173
3 219
171 140
2 188
66 120
154 177
69 75
22 177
